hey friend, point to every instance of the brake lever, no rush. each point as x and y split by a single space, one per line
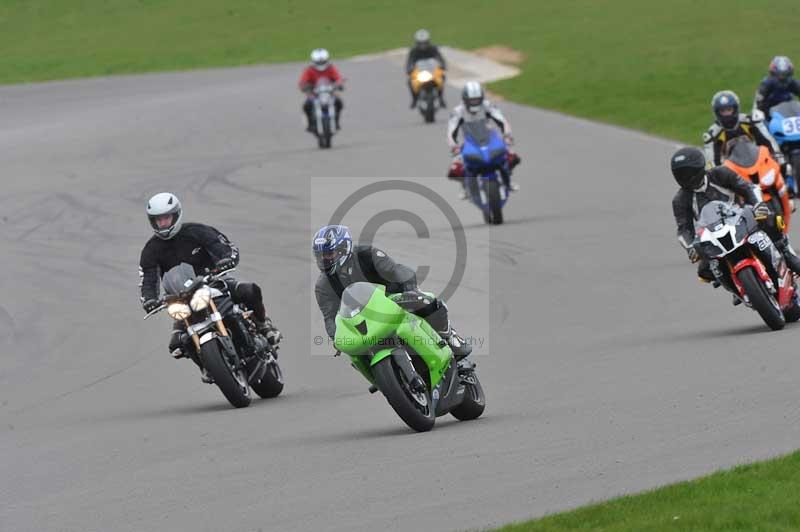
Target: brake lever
155 311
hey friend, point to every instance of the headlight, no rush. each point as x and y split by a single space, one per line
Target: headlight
201 298
179 311
424 76
710 250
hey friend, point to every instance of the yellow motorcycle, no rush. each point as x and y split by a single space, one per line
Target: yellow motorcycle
427 80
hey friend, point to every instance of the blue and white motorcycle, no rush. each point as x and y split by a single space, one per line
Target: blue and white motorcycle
784 125
486 169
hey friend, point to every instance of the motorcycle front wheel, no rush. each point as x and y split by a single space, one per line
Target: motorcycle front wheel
494 209
414 408
761 300
231 382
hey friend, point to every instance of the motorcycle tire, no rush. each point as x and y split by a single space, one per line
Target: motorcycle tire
473 404
236 392
391 383
761 300
430 109
271 384
494 208
325 140
794 160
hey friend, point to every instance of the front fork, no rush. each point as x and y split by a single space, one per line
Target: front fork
216 317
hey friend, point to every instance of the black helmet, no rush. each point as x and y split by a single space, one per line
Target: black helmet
688 167
725 106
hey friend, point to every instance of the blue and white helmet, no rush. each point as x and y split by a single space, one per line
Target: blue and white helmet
333 246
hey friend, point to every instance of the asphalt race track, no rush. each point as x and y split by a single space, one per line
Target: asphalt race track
611 369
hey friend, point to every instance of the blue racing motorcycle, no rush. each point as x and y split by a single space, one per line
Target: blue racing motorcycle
784 125
486 169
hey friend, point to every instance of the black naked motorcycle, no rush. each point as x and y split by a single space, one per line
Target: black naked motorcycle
224 339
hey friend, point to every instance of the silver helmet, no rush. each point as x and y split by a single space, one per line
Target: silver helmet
472 95
160 205
320 58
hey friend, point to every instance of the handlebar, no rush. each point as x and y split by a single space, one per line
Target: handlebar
206 278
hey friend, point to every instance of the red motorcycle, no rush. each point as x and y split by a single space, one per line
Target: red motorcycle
744 260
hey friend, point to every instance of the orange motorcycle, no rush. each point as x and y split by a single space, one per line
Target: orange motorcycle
427 80
755 164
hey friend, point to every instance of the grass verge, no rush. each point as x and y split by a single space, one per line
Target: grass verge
761 496
647 65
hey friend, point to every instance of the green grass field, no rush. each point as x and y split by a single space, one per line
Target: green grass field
762 497
647 65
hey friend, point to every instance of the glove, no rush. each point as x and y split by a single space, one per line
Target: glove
223 265
274 337
178 341
761 211
455 150
693 256
150 305
509 139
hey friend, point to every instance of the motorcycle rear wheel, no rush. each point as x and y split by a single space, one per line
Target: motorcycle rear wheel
474 402
761 300
271 384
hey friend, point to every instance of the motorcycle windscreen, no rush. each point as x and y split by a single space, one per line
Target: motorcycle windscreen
742 152
178 279
354 298
428 65
477 132
786 109
715 214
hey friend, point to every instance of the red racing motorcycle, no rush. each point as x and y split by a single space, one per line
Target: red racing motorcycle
744 260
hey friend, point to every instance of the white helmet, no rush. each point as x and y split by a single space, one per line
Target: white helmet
320 58
161 204
472 95
422 37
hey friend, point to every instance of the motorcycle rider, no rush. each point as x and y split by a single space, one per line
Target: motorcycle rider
319 69
729 123
204 248
341 263
423 49
475 107
699 186
778 87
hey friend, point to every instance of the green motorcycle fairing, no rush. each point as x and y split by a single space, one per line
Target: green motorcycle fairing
370 323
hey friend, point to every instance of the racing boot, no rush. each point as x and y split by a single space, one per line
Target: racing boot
792 260
509 184
460 348
268 331
442 103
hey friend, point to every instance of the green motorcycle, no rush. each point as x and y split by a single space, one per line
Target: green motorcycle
404 358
